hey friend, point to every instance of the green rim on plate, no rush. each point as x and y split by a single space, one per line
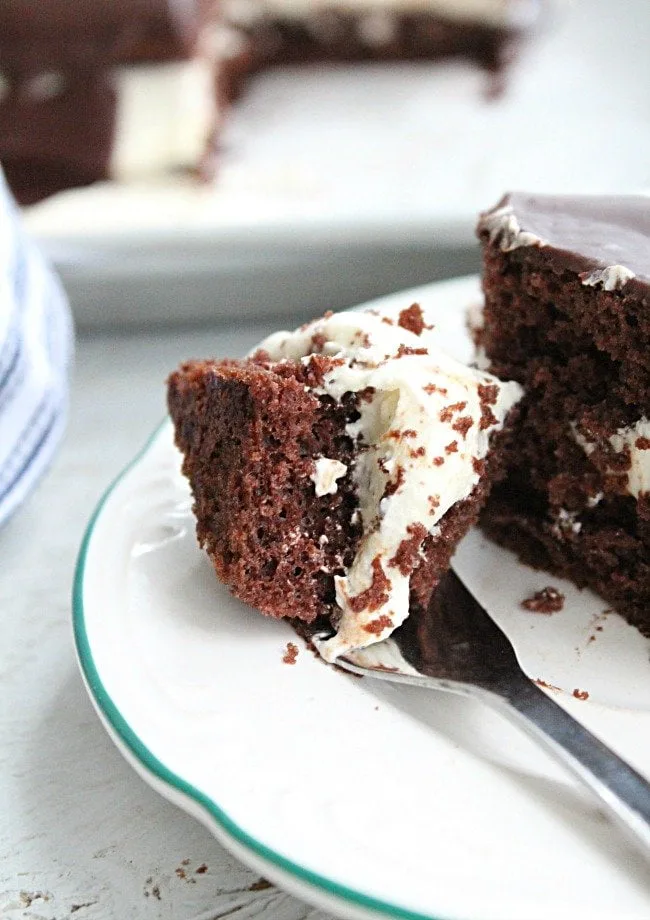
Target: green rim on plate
151 763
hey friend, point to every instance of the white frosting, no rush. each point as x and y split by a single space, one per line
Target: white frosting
164 117
378 27
624 441
325 475
410 445
566 523
595 500
611 278
475 318
503 228
515 13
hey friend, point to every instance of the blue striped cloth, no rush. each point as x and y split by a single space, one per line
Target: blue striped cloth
35 350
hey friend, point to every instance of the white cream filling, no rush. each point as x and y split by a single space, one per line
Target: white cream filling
623 441
514 13
422 436
325 475
566 523
611 278
165 114
504 228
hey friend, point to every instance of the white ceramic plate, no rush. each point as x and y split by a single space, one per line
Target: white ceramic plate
365 799
337 162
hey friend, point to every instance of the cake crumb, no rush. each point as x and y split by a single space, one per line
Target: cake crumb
260 885
409 549
394 485
447 413
431 388
376 595
399 434
318 342
488 394
405 350
202 869
581 694
376 627
548 600
478 466
289 657
412 319
547 686
463 425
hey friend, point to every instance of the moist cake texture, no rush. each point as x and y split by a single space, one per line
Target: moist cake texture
567 314
335 470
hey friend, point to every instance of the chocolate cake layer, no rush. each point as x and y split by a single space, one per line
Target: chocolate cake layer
567 314
250 434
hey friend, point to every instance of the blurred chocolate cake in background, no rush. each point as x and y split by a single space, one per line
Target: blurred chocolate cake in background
262 33
129 89
99 89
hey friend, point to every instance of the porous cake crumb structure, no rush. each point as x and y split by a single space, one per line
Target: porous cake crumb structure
567 314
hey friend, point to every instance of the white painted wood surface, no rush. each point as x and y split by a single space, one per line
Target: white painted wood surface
81 836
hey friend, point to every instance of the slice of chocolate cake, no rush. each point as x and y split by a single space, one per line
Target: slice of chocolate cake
335 470
267 32
567 314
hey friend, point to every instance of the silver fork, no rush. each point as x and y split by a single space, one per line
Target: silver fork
458 647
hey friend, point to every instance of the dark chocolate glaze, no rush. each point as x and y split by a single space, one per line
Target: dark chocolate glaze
583 233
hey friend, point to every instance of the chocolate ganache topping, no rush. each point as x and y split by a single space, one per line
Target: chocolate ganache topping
606 240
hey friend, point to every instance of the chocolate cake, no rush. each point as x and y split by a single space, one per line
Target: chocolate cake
267 32
128 89
102 89
335 470
567 314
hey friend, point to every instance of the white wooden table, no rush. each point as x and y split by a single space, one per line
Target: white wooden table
81 835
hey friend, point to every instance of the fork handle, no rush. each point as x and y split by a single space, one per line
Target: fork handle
624 792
